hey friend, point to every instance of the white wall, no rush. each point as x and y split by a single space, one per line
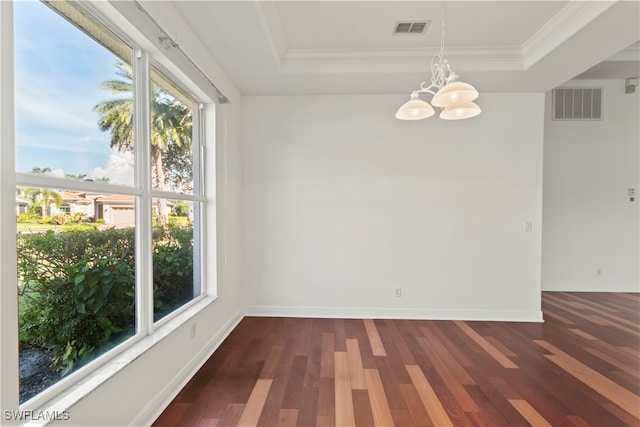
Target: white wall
588 224
343 203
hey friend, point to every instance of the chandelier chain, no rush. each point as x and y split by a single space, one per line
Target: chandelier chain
442 24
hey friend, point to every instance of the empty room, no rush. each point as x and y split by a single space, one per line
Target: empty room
320 213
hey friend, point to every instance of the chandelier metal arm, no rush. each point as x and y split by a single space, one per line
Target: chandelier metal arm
453 97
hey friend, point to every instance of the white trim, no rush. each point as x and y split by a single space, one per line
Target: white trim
143 227
270 18
126 16
48 181
9 386
398 60
395 313
164 397
571 19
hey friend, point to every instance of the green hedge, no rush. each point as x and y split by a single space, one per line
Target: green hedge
77 288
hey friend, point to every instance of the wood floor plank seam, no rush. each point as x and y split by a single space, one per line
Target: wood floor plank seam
377 347
486 346
428 396
622 397
356 370
345 415
529 413
379 404
604 311
254 405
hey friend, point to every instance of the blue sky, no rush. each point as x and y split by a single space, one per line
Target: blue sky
58 72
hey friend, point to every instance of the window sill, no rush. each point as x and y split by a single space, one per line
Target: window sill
64 400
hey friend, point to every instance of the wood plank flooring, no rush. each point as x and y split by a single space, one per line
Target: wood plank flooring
579 368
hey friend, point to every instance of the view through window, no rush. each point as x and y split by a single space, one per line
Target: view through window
80 210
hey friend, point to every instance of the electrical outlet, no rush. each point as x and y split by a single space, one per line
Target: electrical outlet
599 272
528 226
399 292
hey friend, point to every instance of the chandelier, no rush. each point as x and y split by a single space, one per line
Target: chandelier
455 98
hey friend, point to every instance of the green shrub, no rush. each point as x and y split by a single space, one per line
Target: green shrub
181 208
47 220
179 221
77 287
77 290
62 219
79 217
27 218
172 268
80 227
100 221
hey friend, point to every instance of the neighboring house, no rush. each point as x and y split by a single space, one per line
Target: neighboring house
75 203
116 210
22 206
120 210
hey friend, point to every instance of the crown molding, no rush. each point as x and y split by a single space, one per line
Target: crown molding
571 19
328 61
270 19
632 53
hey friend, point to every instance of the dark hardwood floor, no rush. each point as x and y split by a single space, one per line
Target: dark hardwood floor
579 368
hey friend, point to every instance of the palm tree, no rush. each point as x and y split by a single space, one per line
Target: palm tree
45 194
75 175
41 171
171 124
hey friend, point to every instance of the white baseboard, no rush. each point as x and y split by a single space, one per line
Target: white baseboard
611 289
395 313
164 397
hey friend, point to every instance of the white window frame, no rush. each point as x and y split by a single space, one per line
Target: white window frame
62 395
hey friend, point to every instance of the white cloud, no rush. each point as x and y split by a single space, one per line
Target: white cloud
119 168
47 111
58 173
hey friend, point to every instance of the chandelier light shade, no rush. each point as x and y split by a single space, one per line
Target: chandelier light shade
415 109
454 97
461 111
453 94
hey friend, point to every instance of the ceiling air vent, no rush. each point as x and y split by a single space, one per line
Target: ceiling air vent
411 27
577 104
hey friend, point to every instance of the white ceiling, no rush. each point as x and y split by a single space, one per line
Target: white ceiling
316 47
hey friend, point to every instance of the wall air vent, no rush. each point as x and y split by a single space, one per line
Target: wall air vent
574 103
411 27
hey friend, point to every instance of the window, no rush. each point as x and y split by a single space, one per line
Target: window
178 217
109 205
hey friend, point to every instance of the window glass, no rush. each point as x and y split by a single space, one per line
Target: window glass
76 280
171 136
71 91
76 249
176 222
176 261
